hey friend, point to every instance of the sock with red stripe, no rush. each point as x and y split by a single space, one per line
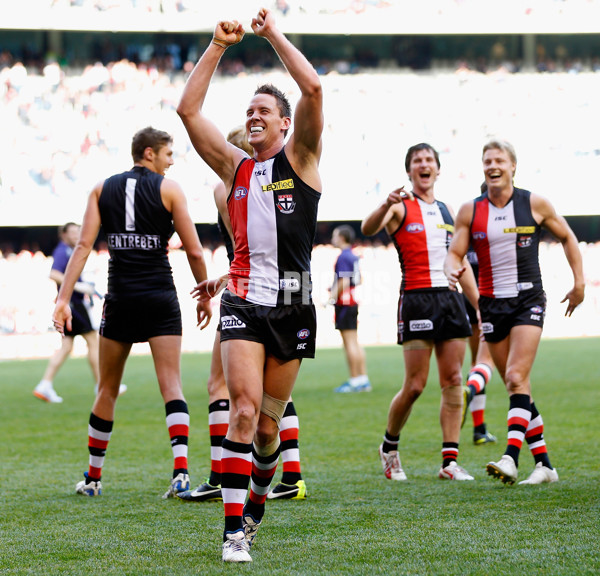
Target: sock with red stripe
535 438
290 450
99 432
449 453
218 424
236 468
264 465
178 425
477 380
519 416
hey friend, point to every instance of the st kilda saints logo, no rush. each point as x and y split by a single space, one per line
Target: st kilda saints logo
285 203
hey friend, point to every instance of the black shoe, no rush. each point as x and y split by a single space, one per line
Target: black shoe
295 491
204 493
480 438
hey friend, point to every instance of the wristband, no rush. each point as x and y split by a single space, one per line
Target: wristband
222 43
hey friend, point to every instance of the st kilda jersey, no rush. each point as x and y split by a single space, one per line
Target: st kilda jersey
137 228
422 242
506 241
273 217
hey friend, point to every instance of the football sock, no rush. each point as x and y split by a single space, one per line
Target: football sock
218 424
477 381
535 438
236 467
99 432
449 453
264 465
290 451
178 425
390 443
519 416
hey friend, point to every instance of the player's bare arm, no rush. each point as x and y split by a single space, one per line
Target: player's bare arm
455 264
544 213
388 214
206 138
304 146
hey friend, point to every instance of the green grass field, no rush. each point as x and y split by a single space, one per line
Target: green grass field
354 521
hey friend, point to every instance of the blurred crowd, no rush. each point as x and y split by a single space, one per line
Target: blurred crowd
29 318
64 129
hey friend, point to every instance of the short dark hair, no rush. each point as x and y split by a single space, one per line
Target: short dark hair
417 148
285 109
346 232
64 229
148 137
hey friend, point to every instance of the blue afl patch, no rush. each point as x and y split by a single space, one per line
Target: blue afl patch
239 193
415 227
479 235
537 309
303 334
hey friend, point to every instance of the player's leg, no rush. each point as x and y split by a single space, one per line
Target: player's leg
450 355
45 389
357 365
218 422
479 376
417 354
279 378
514 357
243 364
166 354
112 355
292 486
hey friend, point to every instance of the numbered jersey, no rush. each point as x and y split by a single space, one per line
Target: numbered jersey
137 228
273 217
506 241
422 242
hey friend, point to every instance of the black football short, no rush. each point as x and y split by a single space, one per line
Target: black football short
287 332
432 315
499 315
141 316
346 317
81 323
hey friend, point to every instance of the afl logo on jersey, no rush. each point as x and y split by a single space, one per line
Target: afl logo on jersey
240 193
303 334
285 203
415 228
479 235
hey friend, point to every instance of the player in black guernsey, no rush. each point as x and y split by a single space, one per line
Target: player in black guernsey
138 211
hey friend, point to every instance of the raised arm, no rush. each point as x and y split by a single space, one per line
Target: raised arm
87 236
546 215
175 201
304 146
385 214
455 264
206 138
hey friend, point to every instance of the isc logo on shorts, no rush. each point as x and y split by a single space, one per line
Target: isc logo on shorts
231 322
420 325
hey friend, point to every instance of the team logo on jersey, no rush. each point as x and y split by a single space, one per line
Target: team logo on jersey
240 193
281 185
231 322
479 235
285 203
415 227
524 241
420 325
303 334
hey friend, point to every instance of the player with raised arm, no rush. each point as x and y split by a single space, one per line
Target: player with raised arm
268 320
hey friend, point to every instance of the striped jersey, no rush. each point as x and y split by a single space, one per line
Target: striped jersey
506 241
273 217
137 228
422 242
